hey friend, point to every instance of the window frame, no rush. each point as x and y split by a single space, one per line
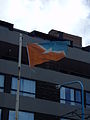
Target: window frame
70 101
87 92
2 86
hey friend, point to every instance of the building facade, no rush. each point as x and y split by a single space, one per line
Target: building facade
40 99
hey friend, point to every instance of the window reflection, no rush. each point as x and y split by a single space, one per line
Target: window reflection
22 115
67 95
87 98
1 83
78 96
27 87
70 96
62 95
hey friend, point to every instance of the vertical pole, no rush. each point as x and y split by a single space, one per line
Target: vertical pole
19 73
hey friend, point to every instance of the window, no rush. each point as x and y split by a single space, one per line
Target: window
1 83
67 95
77 96
70 96
27 87
22 115
62 95
87 98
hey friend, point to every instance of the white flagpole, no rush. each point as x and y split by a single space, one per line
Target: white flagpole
19 73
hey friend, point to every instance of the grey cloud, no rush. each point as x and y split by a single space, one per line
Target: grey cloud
86 2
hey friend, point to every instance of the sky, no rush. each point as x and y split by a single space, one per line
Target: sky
70 16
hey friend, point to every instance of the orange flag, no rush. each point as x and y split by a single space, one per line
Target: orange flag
38 54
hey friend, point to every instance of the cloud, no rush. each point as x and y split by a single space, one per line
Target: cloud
71 16
83 25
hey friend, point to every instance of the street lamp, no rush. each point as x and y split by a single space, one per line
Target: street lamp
82 92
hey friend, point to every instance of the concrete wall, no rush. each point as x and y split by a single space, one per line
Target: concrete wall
35 105
9 67
13 37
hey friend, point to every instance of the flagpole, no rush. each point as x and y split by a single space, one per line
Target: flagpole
19 74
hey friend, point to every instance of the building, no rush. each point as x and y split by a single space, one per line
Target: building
40 99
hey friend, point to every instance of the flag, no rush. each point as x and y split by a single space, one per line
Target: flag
39 53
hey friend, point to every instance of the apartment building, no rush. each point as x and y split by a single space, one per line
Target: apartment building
40 98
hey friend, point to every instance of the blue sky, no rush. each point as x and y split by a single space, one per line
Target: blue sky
70 16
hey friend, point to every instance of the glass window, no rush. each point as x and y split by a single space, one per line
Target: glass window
67 95
72 96
14 85
77 96
27 87
87 98
12 115
1 83
22 115
62 95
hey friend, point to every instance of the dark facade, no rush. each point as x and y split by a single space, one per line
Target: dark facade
40 99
